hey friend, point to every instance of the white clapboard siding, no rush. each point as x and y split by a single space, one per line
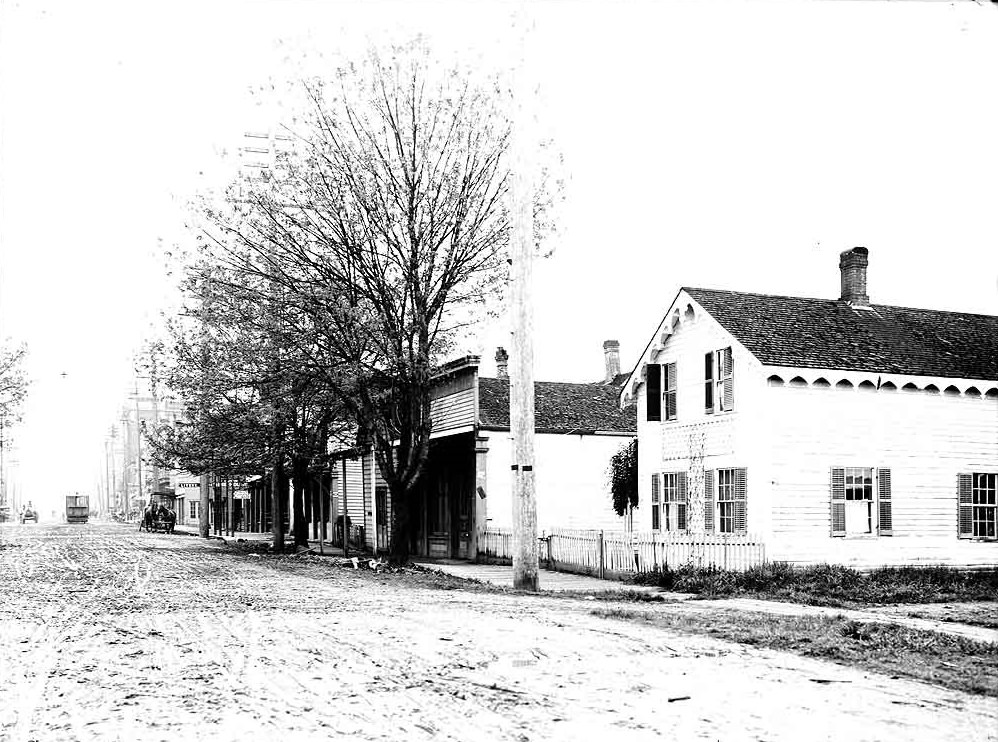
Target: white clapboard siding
453 411
925 440
355 491
368 503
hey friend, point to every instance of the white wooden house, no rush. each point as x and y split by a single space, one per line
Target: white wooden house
836 430
466 485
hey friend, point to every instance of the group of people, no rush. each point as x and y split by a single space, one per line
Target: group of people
158 512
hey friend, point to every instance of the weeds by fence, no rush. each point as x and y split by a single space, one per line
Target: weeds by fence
618 552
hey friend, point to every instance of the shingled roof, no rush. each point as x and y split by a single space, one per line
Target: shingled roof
819 333
559 407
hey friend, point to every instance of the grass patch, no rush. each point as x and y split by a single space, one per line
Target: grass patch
982 615
948 661
612 596
832 585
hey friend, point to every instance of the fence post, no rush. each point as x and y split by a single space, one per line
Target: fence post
601 560
550 551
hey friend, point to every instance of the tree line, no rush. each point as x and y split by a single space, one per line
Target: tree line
321 295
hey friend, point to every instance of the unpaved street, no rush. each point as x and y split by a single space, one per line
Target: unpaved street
106 633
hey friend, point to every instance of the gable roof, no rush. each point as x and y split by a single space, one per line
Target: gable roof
559 407
820 333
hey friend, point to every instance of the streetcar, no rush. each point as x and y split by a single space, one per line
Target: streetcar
77 508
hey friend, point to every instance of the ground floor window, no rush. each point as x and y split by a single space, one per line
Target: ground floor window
978 505
674 501
668 501
656 502
194 509
725 506
861 501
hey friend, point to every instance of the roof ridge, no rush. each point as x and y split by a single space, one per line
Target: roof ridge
835 301
536 381
825 333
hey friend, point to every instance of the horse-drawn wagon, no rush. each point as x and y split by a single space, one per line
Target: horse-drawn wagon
160 514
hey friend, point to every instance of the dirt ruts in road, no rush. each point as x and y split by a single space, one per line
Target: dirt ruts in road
108 633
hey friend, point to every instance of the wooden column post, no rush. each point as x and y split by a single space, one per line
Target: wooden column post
343 506
479 501
322 514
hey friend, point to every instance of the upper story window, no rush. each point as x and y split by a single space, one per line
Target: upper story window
659 376
653 399
670 391
719 391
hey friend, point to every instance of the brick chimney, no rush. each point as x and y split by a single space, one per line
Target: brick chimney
852 265
611 355
502 363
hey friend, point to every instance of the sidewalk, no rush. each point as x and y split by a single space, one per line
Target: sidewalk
560 582
327 546
502 575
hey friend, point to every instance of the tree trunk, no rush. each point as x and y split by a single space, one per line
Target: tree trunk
278 482
299 478
204 527
400 524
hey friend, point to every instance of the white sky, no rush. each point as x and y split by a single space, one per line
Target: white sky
737 145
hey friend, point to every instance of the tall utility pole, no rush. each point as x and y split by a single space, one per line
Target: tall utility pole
155 424
107 476
521 369
138 438
113 484
126 455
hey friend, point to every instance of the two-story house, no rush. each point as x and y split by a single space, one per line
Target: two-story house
835 430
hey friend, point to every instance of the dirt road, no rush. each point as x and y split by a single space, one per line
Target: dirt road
106 633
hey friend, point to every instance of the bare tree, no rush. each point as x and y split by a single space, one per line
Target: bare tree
13 381
383 230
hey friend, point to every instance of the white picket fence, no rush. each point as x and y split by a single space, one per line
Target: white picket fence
619 552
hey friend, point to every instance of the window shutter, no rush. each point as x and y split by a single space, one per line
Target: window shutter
670 396
681 501
708 382
728 376
708 501
656 494
838 482
654 401
965 507
884 498
741 520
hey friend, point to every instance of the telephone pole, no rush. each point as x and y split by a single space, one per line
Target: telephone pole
521 369
138 438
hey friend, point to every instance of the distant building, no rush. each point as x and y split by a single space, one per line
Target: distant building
466 484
